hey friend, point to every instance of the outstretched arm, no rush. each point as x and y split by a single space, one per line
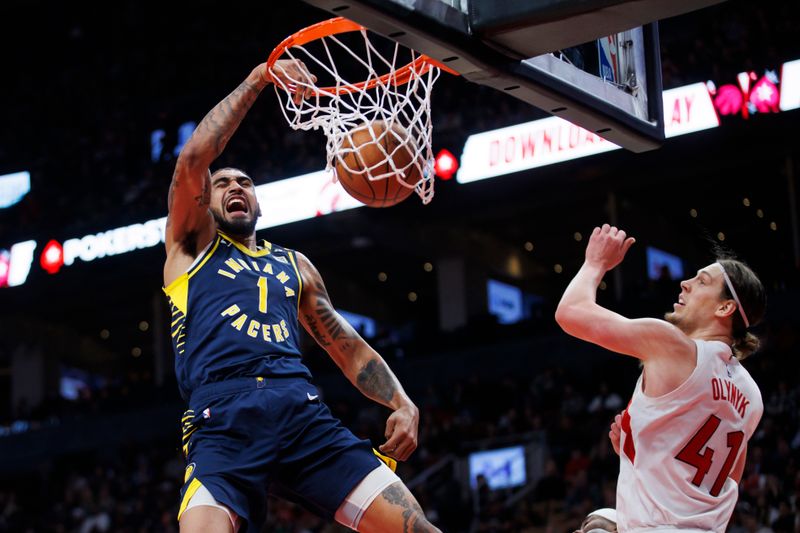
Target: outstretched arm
190 226
189 223
579 314
362 365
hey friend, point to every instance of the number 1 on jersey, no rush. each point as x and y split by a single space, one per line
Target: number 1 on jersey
262 294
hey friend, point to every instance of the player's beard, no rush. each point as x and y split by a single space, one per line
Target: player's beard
240 227
679 322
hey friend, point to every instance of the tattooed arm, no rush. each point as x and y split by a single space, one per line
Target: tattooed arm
362 365
190 225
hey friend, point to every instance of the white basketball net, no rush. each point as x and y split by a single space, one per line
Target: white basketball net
352 105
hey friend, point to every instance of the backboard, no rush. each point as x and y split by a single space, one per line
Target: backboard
595 63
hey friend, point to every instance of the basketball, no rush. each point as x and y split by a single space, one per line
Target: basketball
380 152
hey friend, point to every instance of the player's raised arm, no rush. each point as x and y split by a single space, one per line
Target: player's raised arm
189 225
362 365
579 314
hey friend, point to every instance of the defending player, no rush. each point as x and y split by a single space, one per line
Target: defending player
255 422
685 431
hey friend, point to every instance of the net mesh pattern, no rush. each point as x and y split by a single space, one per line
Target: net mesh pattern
381 94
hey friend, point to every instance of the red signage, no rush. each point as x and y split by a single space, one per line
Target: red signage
751 95
52 257
445 165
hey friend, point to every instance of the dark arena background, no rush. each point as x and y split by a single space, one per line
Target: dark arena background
458 295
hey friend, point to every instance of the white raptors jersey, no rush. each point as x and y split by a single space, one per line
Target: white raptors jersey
677 450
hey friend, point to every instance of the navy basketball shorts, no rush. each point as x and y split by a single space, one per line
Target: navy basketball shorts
246 437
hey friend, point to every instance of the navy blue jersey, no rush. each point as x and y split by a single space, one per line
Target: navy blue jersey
234 314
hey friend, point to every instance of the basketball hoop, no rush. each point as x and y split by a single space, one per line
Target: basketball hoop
394 87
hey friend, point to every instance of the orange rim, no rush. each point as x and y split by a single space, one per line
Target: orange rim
421 65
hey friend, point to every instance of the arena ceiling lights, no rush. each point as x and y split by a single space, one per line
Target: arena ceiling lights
13 187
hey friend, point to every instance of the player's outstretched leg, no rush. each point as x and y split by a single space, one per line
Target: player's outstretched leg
395 509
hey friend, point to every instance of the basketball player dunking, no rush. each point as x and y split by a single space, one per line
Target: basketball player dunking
684 434
255 422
